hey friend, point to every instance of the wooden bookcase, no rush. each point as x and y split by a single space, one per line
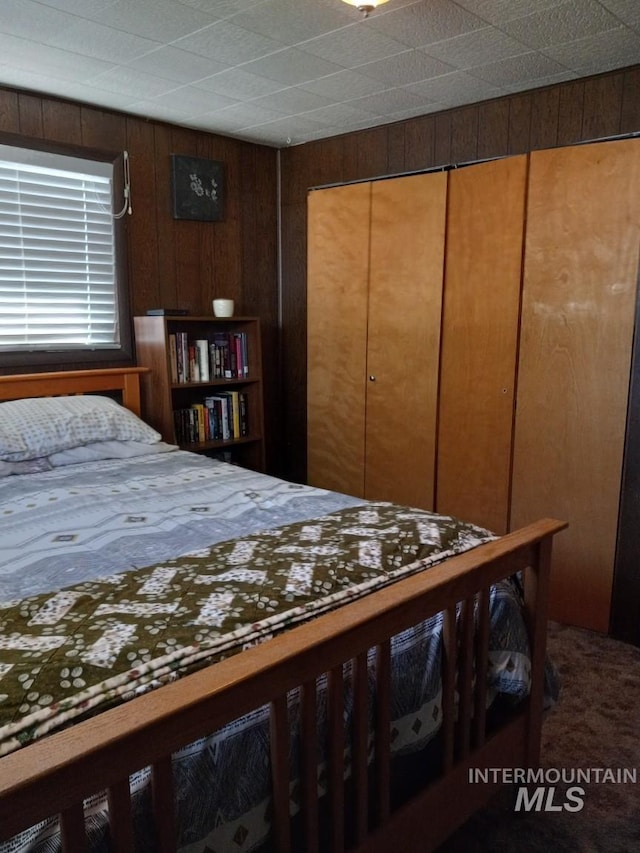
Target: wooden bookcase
162 394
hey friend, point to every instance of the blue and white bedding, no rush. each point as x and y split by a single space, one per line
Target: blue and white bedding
71 522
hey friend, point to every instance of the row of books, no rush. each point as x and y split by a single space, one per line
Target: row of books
225 356
222 416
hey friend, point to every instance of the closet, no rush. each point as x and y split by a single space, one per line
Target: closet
469 346
579 293
375 265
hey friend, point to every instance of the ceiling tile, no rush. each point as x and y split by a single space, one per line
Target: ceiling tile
518 69
91 39
392 100
238 83
20 53
175 64
340 115
354 45
454 89
160 20
82 8
561 77
291 101
247 114
627 11
476 48
567 22
29 19
294 20
228 44
124 79
598 53
425 23
335 86
407 67
291 67
499 11
194 100
219 8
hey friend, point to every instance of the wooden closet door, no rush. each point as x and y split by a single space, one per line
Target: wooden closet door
405 303
337 284
580 278
485 226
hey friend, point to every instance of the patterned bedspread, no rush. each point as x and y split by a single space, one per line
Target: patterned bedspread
229 558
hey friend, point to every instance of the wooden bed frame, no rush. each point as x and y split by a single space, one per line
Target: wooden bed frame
55 774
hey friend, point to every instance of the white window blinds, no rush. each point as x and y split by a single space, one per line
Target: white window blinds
57 252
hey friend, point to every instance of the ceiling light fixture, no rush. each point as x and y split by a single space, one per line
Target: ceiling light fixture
365 6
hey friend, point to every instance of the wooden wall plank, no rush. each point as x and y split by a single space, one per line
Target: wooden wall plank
144 274
396 162
602 106
442 147
9 112
419 143
630 118
62 122
520 107
464 135
570 114
493 129
30 112
544 118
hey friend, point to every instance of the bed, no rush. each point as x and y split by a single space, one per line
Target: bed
197 657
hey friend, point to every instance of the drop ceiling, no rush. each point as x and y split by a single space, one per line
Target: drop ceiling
283 72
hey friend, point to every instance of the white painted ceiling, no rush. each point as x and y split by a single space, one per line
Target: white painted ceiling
282 72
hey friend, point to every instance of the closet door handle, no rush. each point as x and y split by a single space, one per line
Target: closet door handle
372 379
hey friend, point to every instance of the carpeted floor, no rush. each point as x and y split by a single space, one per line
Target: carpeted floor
596 724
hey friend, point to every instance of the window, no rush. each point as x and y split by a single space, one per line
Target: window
59 288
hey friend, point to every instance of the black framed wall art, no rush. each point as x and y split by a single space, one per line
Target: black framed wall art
197 188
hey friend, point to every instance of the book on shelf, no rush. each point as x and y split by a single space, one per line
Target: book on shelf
224 356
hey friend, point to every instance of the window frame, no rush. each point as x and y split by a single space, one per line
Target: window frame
75 357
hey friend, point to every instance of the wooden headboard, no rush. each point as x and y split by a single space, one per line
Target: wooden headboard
125 380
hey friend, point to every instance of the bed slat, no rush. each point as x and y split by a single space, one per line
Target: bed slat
163 805
309 762
335 709
482 662
383 730
465 675
120 820
450 652
360 745
279 727
74 838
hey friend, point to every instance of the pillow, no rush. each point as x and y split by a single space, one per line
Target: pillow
40 426
31 466
99 450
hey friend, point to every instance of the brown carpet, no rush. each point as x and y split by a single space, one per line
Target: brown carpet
595 724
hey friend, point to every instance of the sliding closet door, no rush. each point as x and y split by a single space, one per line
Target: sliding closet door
337 284
405 303
580 277
485 227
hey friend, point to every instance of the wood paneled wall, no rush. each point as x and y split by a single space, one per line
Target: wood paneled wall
180 263
587 109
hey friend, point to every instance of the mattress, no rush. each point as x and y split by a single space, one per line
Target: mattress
118 575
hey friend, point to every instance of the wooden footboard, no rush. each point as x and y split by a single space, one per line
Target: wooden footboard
55 774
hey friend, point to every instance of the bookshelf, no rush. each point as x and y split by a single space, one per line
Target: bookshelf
196 364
